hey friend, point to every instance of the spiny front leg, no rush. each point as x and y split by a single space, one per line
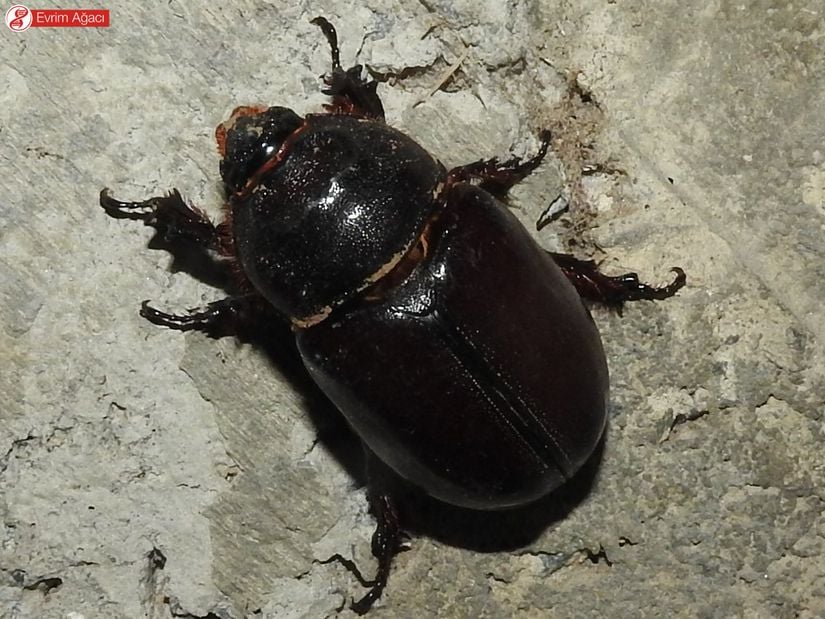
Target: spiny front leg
216 319
351 94
177 221
496 176
613 290
173 218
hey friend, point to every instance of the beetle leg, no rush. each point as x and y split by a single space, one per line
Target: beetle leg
351 94
352 568
170 215
616 289
496 176
386 543
217 319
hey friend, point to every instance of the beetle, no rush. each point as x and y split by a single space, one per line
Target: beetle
458 349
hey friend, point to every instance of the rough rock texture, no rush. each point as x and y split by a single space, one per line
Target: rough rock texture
146 473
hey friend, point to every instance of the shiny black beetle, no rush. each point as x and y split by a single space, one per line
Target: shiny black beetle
457 348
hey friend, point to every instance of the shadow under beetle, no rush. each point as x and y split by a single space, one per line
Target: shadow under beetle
458 349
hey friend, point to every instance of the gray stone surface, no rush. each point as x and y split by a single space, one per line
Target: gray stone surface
117 437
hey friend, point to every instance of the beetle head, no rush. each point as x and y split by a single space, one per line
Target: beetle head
250 138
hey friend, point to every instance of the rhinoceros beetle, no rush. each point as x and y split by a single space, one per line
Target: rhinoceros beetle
458 349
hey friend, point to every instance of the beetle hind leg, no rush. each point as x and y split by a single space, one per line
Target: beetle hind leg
496 176
351 93
613 290
387 541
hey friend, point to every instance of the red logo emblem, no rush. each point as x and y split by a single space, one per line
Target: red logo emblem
18 18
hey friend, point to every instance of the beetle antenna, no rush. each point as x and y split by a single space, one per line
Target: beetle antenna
332 38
